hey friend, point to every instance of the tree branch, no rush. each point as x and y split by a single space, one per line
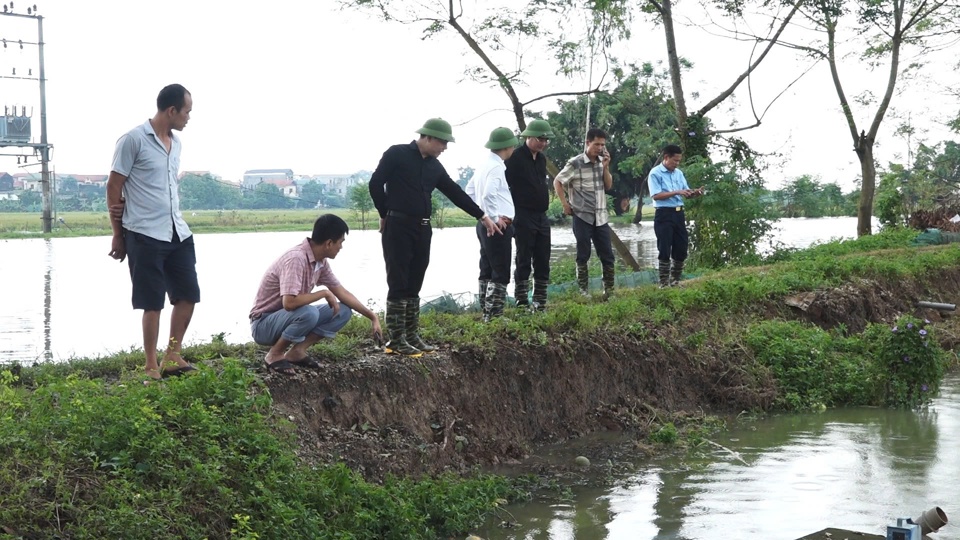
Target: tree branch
772 41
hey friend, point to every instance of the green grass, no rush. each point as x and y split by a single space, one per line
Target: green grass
29 225
198 457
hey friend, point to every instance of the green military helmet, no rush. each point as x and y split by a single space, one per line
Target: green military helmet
501 138
537 128
438 128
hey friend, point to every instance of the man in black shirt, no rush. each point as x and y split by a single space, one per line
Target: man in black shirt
401 189
527 178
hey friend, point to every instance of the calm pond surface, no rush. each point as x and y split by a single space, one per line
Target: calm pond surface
64 297
782 477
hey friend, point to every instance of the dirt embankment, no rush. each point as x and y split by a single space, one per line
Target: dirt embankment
454 409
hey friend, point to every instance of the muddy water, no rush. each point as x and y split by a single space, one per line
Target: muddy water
65 297
779 478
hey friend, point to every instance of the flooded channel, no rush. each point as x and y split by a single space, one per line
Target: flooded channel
781 477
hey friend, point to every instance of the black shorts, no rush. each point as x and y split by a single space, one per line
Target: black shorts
158 268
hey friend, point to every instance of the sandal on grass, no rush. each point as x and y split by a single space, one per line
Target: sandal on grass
281 366
177 371
307 362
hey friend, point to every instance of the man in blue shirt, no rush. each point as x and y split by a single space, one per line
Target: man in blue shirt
668 188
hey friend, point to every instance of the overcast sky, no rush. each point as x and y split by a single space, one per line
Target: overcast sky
302 85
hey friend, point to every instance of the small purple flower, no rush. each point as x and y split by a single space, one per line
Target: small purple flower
923 388
906 358
923 332
894 329
909 326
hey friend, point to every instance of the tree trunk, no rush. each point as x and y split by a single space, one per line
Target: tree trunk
868 168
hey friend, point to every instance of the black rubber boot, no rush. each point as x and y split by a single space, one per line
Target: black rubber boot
539 295
676 273
396 330
413 326
664 273
482 295
496 296
583 279
609 280
521 292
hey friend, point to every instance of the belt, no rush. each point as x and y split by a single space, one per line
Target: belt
401 215
670 208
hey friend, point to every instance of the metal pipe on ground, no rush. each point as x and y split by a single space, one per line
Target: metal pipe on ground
937 306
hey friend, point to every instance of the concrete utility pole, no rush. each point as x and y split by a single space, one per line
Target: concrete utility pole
19 139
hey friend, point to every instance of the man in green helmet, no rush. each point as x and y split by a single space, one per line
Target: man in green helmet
527 178
488 188
401 188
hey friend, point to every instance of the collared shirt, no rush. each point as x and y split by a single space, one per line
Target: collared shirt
488 188
527 178
662 180
151 191
296 272
584 181
405 180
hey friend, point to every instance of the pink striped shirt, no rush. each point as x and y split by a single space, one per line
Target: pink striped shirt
296 272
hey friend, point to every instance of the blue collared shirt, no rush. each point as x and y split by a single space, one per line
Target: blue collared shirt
662 180
151 191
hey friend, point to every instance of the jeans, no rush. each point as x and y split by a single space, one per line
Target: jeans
294 326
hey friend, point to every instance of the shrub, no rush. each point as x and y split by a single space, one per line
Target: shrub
909 360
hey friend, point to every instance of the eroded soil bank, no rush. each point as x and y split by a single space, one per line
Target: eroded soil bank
455 409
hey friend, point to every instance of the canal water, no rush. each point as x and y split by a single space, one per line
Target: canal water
781 477
64 297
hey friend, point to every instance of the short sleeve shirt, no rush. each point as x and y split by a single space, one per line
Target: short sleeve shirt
584 181
662 180
296 272
151 191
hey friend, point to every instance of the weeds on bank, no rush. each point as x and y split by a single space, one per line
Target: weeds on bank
198 457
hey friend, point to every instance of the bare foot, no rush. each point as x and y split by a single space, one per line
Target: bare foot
153 374
172 360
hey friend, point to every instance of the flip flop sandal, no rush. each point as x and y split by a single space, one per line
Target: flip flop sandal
176 372
281 366
306 362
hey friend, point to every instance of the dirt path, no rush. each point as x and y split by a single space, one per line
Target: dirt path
452 410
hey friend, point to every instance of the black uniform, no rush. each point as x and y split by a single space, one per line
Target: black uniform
527 178
401 189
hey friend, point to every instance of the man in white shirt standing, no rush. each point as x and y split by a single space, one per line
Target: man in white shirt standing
488 188
152 232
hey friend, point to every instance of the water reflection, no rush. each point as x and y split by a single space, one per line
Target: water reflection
65 297
852 468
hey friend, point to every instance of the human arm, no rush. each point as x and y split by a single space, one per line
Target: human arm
351 301
294 301
559 186
378 181
607 175
118 248
658 187
457 196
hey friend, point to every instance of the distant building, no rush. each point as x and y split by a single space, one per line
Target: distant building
333 184
93 179
255 176
9 197
6 182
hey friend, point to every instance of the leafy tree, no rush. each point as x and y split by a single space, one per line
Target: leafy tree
361 203
265 195
803 197
890 29
205 192
311 193
67 184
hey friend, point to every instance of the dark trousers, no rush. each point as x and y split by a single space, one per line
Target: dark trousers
495 254
600 236
532 231
670 226
406 252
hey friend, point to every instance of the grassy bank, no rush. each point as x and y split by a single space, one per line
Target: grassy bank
29 225
92 453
